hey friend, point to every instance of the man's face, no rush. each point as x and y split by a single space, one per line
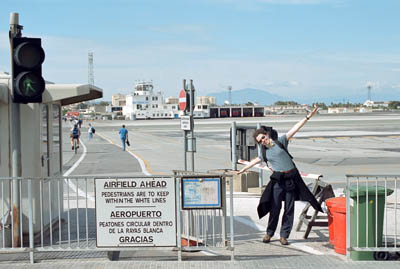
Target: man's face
263 139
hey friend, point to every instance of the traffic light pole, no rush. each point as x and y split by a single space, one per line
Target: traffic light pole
15 30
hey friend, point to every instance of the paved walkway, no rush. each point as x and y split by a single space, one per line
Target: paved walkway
261 256
249 252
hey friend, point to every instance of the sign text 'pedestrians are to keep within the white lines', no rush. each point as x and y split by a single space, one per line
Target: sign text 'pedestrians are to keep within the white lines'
135 212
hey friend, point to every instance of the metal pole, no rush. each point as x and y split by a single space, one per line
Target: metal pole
184 133
233 146
178 216
223 209
348 244
31 242
185 145
231 218
191 119
15 31
260 173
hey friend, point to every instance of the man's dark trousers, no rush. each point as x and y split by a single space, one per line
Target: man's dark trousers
279 195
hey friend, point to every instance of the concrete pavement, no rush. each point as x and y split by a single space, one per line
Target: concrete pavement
156 151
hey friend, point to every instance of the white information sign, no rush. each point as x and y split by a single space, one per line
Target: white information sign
185 123
135 212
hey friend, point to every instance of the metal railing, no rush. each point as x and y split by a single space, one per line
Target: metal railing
59 214
372 213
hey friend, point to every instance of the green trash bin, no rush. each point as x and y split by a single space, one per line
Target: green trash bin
375 208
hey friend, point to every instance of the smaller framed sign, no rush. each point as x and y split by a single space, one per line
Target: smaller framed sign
201 192
186 123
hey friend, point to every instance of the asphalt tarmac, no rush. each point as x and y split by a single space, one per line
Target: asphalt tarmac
330 145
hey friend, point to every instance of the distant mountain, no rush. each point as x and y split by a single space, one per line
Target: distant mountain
244 96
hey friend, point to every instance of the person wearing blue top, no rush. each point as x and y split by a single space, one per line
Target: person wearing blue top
286 183
123 134
75 133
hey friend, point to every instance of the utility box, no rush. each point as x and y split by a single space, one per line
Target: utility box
246 148
244 181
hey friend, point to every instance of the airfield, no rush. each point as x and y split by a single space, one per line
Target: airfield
330 145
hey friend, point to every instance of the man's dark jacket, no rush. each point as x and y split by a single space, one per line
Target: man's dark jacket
301 191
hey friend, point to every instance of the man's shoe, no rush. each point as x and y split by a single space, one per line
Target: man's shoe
77 147
267 238
284 241
72 147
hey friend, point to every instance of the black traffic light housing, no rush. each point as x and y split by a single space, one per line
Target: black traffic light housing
27 58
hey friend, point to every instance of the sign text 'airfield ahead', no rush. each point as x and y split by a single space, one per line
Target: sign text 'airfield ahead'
135 212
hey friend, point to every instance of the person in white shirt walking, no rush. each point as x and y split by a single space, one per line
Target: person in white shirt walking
90 131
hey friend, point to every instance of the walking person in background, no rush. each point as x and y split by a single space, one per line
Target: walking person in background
123 134
90 131
286 183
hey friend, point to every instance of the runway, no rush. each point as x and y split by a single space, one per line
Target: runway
330 145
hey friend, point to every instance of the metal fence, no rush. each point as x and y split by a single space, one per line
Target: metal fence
59 214
372 215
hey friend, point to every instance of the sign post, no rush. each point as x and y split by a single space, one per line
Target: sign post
191 108
186 103
183 93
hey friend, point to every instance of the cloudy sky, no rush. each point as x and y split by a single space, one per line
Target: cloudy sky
287 47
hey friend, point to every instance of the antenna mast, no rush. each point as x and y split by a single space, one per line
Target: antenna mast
90 69
369 91
230 95
369 85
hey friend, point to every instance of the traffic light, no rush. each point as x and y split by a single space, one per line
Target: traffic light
27 59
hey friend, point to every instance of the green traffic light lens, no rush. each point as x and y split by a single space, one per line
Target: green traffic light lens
28 84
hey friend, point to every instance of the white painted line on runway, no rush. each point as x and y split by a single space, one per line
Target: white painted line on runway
72 168
75 165
267 119
305 248
141 162
209 253
250 223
